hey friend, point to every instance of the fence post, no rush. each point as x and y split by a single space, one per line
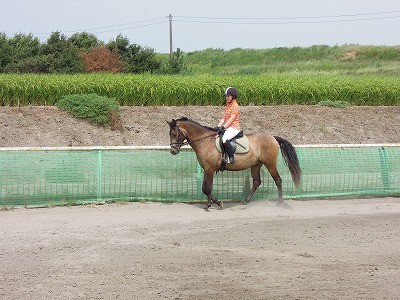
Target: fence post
99 175
384 168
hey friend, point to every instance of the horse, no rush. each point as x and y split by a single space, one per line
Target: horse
264 150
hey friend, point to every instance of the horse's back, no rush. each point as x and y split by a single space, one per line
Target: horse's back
264 145
262 138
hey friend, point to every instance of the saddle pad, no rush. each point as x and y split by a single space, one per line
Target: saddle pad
244 141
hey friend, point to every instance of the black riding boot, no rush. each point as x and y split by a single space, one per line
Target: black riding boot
230 151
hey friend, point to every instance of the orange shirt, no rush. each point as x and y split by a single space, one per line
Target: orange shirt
233 108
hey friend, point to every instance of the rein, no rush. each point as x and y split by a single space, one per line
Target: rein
188 143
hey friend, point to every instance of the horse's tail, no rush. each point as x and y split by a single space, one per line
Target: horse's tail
290 156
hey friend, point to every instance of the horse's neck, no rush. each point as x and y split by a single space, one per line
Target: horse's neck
193 131
199 138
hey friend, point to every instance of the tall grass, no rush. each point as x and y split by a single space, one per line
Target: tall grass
145 90
319 59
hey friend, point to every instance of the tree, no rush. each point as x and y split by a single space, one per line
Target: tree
24 46
26 54
6 52
120 44
55 44
140 60
84 40
176 63
136 58
101 59
36 64
68 61
64 57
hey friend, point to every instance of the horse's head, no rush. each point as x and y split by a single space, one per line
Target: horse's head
176 137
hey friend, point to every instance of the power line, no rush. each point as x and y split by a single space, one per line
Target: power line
121 29
291 18
287 22
111 26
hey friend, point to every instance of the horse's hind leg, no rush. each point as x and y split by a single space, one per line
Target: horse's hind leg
278 180
255 174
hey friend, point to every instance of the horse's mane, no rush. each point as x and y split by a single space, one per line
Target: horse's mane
196 123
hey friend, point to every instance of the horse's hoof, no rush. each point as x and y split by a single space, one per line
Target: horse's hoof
221 205
206 208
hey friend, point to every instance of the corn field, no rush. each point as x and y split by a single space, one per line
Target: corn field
144 90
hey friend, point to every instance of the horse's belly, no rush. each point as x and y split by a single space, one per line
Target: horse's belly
243 161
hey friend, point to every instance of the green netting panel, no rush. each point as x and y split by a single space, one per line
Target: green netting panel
62 177
349 171
36 178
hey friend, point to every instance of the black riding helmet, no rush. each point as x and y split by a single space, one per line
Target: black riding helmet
231 92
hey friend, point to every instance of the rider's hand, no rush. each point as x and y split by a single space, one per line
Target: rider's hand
221 129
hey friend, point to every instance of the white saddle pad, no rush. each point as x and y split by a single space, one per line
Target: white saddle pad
242 146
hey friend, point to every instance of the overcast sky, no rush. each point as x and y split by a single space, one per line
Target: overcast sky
202 24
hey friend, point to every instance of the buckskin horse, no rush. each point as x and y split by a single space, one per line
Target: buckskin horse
264 150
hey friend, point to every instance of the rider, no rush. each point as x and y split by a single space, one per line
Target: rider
231 121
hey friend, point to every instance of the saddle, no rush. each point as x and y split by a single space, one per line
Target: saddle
240 143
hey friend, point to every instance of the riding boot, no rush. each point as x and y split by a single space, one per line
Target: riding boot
230 151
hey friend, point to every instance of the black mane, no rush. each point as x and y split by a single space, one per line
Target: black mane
194 122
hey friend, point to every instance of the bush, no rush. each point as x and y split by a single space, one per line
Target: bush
102 60
93 107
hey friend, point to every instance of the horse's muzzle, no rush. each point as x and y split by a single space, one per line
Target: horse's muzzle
174 151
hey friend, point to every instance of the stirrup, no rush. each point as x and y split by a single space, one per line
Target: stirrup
231 160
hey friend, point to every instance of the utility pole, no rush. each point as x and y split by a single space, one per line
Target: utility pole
170 36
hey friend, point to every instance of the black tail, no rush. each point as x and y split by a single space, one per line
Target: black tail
290 156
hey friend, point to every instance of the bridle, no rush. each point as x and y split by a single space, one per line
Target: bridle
180 144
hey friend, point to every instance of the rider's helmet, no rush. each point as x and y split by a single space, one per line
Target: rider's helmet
231 92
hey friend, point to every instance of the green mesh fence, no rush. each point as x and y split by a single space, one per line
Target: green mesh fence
45 177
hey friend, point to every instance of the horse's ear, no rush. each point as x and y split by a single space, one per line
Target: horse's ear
172 123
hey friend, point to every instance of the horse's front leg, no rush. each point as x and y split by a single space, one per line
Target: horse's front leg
207 188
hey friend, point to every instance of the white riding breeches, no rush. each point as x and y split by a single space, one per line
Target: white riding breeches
230 133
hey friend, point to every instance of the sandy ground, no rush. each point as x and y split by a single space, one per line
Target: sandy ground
300 124
337 249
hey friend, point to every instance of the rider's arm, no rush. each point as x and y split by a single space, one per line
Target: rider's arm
221 122
229 122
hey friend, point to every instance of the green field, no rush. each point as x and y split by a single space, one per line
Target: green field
354 74
146 89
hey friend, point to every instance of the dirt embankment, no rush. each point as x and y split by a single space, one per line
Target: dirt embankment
49 126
